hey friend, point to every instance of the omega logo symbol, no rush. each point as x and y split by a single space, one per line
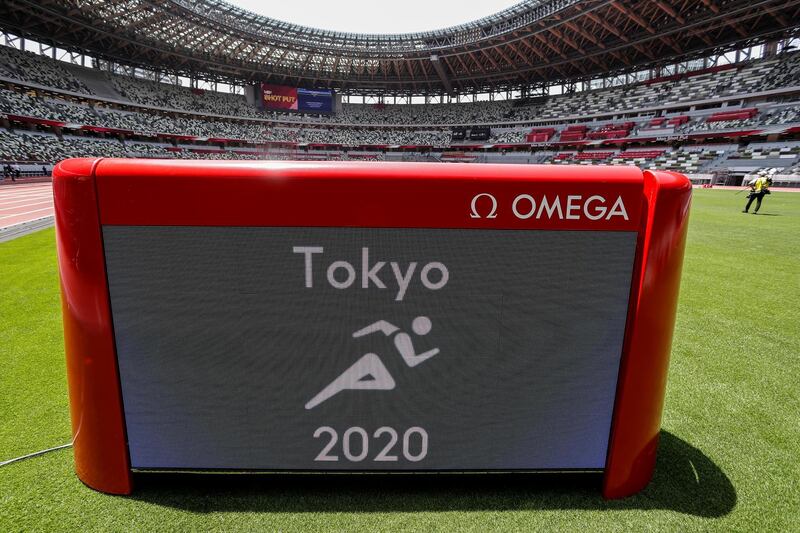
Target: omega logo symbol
557 207
474 206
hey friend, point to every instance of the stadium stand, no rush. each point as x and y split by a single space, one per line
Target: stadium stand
640 158
786 115
51 110
689 160
38 69
765 75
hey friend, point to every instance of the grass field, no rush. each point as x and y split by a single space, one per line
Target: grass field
729 458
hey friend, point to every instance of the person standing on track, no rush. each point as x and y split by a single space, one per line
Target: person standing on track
759 187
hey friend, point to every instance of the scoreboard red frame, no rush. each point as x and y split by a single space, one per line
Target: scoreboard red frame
90 193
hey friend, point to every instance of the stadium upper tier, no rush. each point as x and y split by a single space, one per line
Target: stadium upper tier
51 110
69 82
533 42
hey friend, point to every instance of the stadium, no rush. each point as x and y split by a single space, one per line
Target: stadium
709 89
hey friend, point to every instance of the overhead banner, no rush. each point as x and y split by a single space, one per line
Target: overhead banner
281 97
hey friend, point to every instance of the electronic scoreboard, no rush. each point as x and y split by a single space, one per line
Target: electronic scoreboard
358 317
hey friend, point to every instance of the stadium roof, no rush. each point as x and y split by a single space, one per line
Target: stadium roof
363 16
532 42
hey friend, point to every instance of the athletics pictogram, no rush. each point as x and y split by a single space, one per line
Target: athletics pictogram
369 372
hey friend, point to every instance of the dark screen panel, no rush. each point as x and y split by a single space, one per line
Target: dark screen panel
496 350
315 101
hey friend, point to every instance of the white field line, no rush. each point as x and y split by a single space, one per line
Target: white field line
25 213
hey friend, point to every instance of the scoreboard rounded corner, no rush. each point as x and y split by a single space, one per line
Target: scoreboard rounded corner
362 317
98 430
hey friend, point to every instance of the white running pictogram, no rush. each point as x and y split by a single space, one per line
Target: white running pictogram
369 372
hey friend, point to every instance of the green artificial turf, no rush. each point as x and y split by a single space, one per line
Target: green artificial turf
728 461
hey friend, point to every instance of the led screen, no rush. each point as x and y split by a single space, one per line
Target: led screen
315 101
281 97
367 349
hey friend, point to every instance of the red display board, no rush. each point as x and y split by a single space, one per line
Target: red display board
279 97
241 295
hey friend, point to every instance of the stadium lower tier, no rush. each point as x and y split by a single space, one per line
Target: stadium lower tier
19 109
35 152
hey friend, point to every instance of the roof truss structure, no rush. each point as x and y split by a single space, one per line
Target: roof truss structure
534 42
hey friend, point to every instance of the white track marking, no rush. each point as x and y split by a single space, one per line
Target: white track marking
28 187
12 208
25 213
20 203
25 196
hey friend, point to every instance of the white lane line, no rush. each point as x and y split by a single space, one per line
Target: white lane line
18 200
26 213
22 197
26 186
4 201
26 195
36 185
34 204
21 203
15 198
21 190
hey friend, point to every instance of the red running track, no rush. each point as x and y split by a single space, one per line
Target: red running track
25 202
